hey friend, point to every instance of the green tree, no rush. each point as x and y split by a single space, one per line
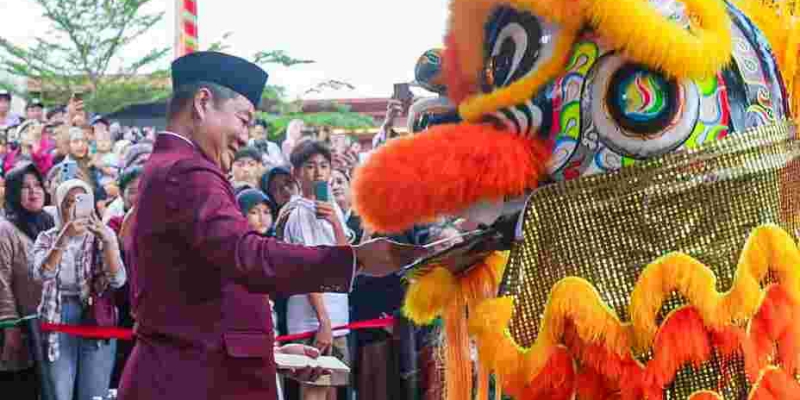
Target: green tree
86 38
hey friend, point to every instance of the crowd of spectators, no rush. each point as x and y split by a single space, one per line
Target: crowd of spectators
58 267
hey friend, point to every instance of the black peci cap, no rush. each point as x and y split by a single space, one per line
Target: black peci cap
232 72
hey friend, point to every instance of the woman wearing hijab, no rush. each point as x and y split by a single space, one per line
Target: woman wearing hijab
80 154
257 208
78 262
280 186
19 294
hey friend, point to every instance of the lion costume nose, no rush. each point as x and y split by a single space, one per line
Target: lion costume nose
444 171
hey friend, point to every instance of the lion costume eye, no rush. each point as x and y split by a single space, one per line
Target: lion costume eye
638 112
516 43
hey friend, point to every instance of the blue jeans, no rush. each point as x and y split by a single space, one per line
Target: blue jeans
83 368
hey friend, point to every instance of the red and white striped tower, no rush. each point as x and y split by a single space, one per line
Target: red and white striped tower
186 40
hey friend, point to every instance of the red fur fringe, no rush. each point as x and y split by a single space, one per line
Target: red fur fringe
458 86
444 171
776 384
621 373
556 381
682 339
592 385
775 329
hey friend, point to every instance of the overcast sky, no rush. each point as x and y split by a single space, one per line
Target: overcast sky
371 44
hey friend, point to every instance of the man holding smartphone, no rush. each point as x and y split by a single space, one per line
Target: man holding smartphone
312 219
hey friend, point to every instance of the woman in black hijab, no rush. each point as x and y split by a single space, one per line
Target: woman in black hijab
19 294
25 214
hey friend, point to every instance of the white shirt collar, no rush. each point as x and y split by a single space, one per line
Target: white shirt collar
176 135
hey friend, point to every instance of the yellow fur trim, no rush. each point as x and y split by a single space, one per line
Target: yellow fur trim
496 352
428 295
437 292
482 281
458 374
645 36
468 20
769 248
652 40
572 299
430 292
521 91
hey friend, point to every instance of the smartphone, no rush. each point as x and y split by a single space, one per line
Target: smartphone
402 92
321 191
69 170
83 206
77 96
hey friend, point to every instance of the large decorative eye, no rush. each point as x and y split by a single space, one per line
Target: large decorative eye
638 112
516 42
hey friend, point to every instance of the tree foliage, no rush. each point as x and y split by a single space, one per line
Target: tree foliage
280 109
342 118
85 40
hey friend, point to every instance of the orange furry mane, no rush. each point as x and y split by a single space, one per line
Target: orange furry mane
442 171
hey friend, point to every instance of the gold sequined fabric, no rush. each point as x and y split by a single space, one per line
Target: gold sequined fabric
607 228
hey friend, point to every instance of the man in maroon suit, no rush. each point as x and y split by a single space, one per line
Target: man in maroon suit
199 275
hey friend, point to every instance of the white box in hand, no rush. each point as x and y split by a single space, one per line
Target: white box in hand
340 372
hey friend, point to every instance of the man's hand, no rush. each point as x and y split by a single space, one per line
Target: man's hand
381 257
102 232
13 345
393 109
326 211
323 339
74 108
346 161
308 374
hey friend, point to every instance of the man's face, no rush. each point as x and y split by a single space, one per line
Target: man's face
131 194
101 131
223 127
260 218
78 148
57 117
104 145
5 104
35 113
245 169
317 168
258 133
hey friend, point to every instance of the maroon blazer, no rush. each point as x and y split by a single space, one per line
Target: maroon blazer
199 278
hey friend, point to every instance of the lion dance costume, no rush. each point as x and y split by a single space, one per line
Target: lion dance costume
656 255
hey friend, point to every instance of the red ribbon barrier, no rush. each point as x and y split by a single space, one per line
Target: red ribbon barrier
97 332
89 332
371 324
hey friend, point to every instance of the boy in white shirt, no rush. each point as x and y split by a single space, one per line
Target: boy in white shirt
309 221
